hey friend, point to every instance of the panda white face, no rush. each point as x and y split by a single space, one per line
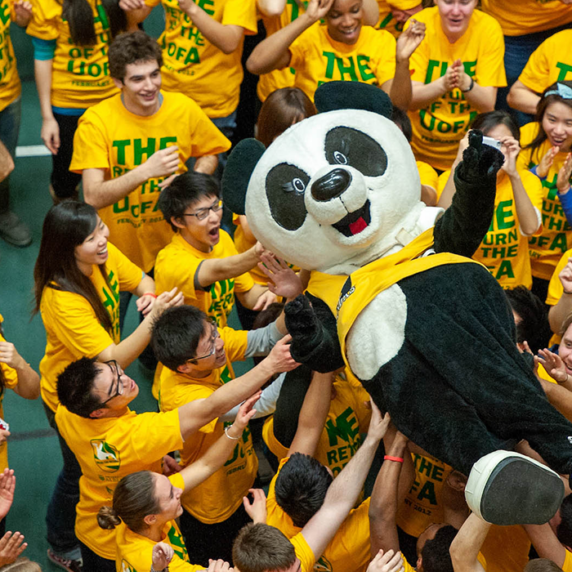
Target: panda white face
333 188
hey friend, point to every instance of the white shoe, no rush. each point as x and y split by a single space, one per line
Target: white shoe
508 488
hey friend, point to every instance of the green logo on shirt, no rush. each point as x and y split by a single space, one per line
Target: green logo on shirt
106 456
126 567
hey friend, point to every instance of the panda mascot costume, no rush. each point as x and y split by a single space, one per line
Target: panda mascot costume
395 297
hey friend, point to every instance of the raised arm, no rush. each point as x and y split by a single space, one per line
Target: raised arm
216 269
560 311
522 98
197 413
271 8
467 544
28 380
546 543
344 491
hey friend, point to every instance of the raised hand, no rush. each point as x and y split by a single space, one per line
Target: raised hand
283 280
162 555
546 162
7 486
409 40
280 357
256 509
553 365
11 546
563 180
162 163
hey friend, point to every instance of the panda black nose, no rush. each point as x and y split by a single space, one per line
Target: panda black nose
331 185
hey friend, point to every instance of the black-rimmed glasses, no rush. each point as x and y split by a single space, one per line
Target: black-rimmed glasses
214 336
116 388
202 214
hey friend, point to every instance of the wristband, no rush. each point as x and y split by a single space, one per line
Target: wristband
230 436
471 85
149 294
390 458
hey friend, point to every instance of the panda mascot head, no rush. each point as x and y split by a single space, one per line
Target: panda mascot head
334 191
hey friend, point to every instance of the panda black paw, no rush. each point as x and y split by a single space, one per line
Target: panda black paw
479 161
303 325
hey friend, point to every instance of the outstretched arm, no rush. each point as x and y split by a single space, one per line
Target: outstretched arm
463 226
467 544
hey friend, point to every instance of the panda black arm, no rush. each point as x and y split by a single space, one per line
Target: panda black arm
465 223
314 333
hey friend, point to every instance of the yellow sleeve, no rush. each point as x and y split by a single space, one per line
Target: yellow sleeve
405 4
299 47
490 65
537 70
235 342
406 566
241 13
43 24
176 268
151 434
177 481
303 552
10 374
441 182
152 3
555 288
129 275
427 174
89 145
567 566
243 283
386 44
206 138
74 323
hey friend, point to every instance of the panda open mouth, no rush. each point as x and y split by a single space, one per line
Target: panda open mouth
355 222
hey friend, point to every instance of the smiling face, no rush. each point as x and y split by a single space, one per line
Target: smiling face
344 21
140 87
455 16
114 388
93 250
565 350
333 189
557 124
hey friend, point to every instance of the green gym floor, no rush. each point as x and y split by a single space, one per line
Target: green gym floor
33 448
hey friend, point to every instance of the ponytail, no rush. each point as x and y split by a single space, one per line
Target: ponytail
107 518
79 15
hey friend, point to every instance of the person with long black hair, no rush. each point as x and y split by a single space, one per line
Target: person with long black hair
71 40
78 277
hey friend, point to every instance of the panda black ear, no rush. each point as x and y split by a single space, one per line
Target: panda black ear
336 95
237 172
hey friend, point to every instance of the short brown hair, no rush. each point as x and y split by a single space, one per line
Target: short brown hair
542 565
130 48
566 324
262 548
282 109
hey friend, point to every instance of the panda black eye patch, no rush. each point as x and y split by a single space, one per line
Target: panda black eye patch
347 146
285 187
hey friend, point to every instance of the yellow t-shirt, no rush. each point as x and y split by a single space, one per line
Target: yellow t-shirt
108 449
111 138
10 381
438 127
10 87
428 175
278 79
318 59
506 549
197 68
551 62
423 506
177 265
304 553
347 420
135 552
80 74
387 21
217 498
350 547
555 288
556 238
567 566
504 250
528 16
72 328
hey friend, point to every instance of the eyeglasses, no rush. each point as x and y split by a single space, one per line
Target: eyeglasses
119 387
202 214
214 336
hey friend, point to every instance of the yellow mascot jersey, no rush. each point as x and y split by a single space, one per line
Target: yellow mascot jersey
111 138
504 250
347 419
217 498
10 381
177 265
134 551
10 87
531 16
80 74
350 547
438 128
278 79
551 62
318 59
194 66
303 553
386 20
555 288
423 506
556 238
108 449
72 328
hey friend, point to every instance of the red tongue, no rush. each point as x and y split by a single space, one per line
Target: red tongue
357 226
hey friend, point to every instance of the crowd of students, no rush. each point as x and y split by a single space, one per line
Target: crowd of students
145 127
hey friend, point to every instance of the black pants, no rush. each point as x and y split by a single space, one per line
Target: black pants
64 182
94 563
206 541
